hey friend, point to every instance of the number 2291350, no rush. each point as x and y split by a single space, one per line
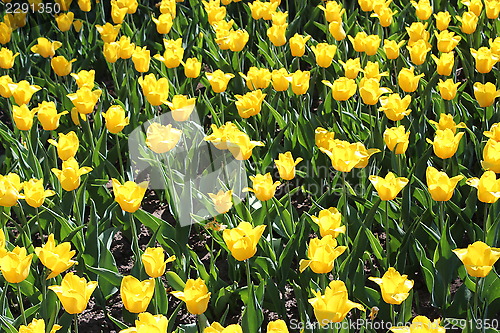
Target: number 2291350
47 8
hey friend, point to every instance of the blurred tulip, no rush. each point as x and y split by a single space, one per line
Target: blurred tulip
115 119
351 68
84 78
155 91
492 9
85 99
469 22
218 328
333 11
485 59
222 201
240 145
446 121
23 91
237 40
61 66
7 58
249 104
38 326
163 23
69 175
336 30
388 187
366 5
219 80
215 12
10 186
441 186
111 52
174 52
416 31
397 139
300 82
491 156
423 9
358 42
242 241
161 138
181 107
286 165
147 323
394 286
344 155
322 254
370 91
108 32
257 78
48 116
35 193
136 294
154 261
342 88
329 222
418 51
420 324
385 16
15 265
475 6
192 68
478 258
280 79
45 48
23 117
141 59
494 132
5 33
444 63
263 186
365 154
445 143
448 89
442 20
407 80
298 45
323 138
117 13
65 21
195 295
391 48
324 54
57 258
85 5
5 84
446 41
395 107
488 187
485 94
276 34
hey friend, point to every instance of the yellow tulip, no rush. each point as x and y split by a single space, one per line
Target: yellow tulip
7 58
85 99
136 294
391 48
336 30
416 31
395 107
48 116
195 295
300 82
23 91
237 40
445 143
329 222
448 89
423 9
492 9
371 44
69 175
192 68
488 187
394 286
372 71
370 91
74 293
407 79
333 11
154 261
358 42
257 78
240 145
469 22
420 324
129 195
277 34
218 328
85 5
334 305
263 186
298 45
222 201
126 48
322 254
67 145
441 186
161 138
10 186
388 187
344 155
242 241
351 68
475 6
147 322
111 52
23 117
15 265
446 41
280 79
5 82
485 94
65 20
78 24
219 80
396 139
141 58
249 104
115 119
215 12
168 6
444 63
220 136
155 91
45 48
343 88
163 23
324 54
365 153
277 326
418 51
494 132
61 66
117 13
442 20
38 326
174 52
279 18
84 78
446 121
181 107
5 33
323 138
57 258
34 192
286 165
478 258
485 59
108 32
3 251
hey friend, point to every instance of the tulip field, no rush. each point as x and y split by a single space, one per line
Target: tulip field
249 166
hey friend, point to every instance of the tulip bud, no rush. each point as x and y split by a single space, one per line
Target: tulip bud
61 66
391 48
218 80
141 58
263 186
163 23
154 261
286 165
276 34
74 293
442 20
249 104
342 88
48 116
297 45
7 58
65 20
23 117
161 139
485 94
192 68
324 54
445 143
444 63
407 80
300 82
423 9
108 32
351 68
329 222
388 187
448 89
280 79
222 201
70 173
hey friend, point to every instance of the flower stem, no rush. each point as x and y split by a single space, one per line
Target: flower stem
387 235
75 322
487 223
21 305
120 159
135 242
39 226
344 209
442 220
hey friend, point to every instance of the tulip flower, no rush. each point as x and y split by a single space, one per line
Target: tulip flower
344 155
448 89
407 80
257 78
240 145
115 119
136 294
192 68
23 117
218 328
365 154
108 32
61 66
336 30
277 326
469 22
492 9
154 261
219 80
444 63
322 254
181 107
478 258
67 145
300 82
85 5
491 156
5 33
391 48
15 265
370 91
163 23
323 138
141 58
129 195
334 305
69 175
324 54
485 94
329 222
221 136
263 186
155 91
333 11
385 16
38 326
358 42
74 293
298 45
117 13
34 192
388 187
475 6
442 20
242 240
343 88
57 258
5 83
3 251
423 9
371 44
418 51
351 68
195 295
173 54
488 187
249 104
237 40
7 58
445 143
10 186
396 139
420 324
416 31
147 322
440 186
447 41
276 34
280 79
446 121
45 48
215 13
78 24
125 48
286 165
394 286
372 71
65 21
494 132
395 107
168 7
161 138
48 116
23 91
485 59
85 99
84 78
222 201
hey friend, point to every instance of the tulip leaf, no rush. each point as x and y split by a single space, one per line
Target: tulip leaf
110 276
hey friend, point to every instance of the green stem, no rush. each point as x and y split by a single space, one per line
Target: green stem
21 305
39 226
442 218
135 242
476 299
75 322
120 159
76 207
344 208
249 279
392 313
387 235
487 222
290 205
